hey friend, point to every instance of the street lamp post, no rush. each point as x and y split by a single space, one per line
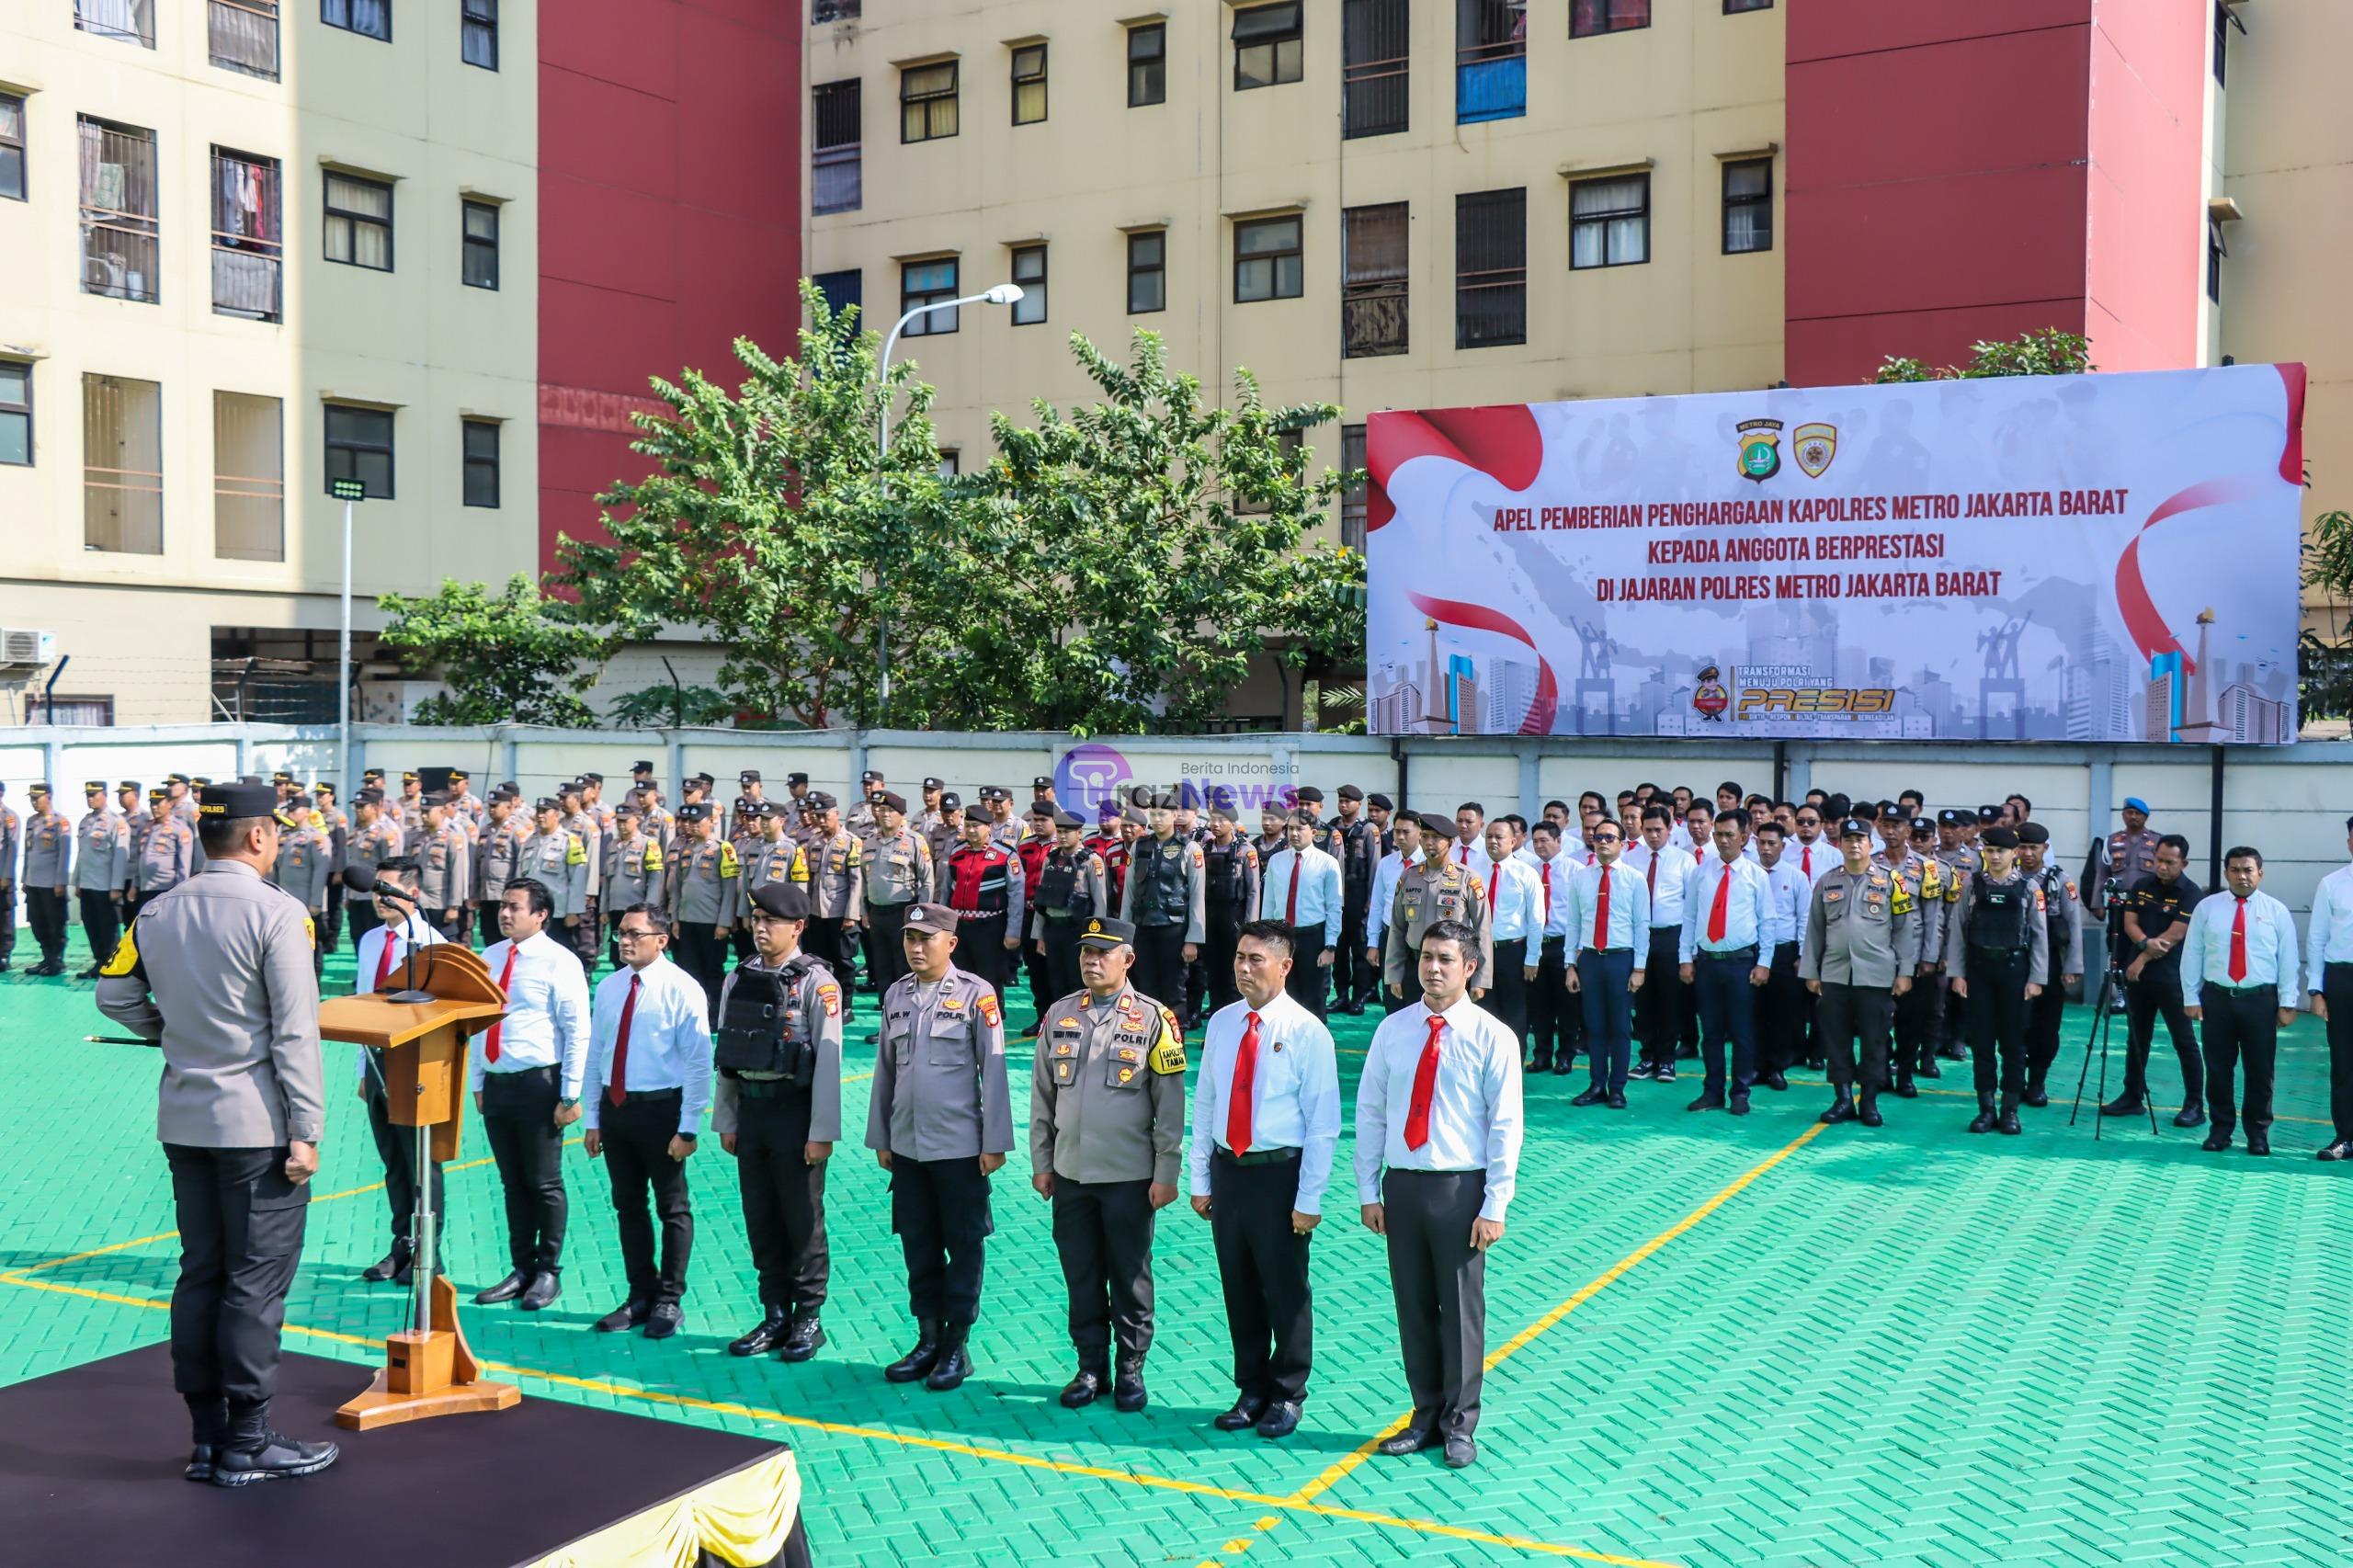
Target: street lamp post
346 491
1003 294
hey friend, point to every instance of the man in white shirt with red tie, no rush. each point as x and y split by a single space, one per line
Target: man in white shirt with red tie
1469 850
649 1084
1301 886
1439 1107
1727 917
526 1073
1266 1123
1661 1006
377 960
1550 1002
1609 916
1515 908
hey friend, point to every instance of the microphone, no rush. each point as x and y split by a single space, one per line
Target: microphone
363 880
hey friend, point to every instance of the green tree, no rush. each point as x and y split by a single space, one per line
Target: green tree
512 654
2324 660
2050 352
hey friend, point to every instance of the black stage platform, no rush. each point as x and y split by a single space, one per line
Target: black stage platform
90 1463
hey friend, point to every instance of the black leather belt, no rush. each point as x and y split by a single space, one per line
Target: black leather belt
1259 1157
1743 955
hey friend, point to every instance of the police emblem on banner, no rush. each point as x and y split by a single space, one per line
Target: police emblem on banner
1816 447
1760 448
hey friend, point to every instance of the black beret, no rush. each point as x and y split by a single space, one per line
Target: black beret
2033 833
1310 794
1383 802
1433 822
1223 812
895 801
1069 819
785 901
1351 792
1998 838
228 802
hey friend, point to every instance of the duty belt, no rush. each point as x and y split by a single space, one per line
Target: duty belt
766 1088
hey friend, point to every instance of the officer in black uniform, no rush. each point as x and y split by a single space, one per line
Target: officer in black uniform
1998 950
778 1111
1230 872
1354 840
1071 890
2155 918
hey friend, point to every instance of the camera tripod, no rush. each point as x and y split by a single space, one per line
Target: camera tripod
2112 988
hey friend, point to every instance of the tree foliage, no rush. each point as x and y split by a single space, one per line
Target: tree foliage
2050 352
2326 661
512 654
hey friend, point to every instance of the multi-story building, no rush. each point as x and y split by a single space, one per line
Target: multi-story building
1386 204
247 249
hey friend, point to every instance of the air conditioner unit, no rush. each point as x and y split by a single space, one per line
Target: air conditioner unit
23 647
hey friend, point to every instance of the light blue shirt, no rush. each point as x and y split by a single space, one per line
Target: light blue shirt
1791 895
2270 946
669 1038
1748 911
1295 1098
1319 891
1517 901
1630 905
2329 937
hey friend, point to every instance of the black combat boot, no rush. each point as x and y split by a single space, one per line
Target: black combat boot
764 1336
953 1365
803 1339
2009 1122
918 1361
1867 1114
1986 1117
1127 1394
255 1452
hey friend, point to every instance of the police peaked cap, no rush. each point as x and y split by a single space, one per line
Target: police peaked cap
230 803
1102 931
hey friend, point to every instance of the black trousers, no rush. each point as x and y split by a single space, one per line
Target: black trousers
1040 976
519 1119
102 923
939 1211
702 951
1841 1014
1223 929
585 937
330 927
1662 1002
1912 1011
1507 998
1602 978
241 1237
1727 1017
830 942
1995 1012
980 948
1103 1234
1262 1264
1550 1004
2336 992
1353 980
1944 1017
636 1136
2147 999
1441 1286
2044 1014
886 925
7 919
1159 972
396 1150
45 913
1308 980
1780 1017
1062 963
784 1197
2240 1025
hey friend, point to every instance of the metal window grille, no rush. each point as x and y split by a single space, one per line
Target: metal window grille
122 465
120 231
242 35
836 176
1374 278
248 225
1375 50
248 477
1490 268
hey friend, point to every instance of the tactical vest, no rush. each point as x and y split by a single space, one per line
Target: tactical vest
1033 854
1998 913
1062 891
1221 874
1159 873
761 1030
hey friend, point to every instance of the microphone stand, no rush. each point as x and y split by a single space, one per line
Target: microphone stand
408 993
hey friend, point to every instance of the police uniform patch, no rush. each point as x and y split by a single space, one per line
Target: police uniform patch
728 864
310 931
574 853
1065 1023
1168 1055
126 955
989 1014
831 995
1065 1047
1126 1073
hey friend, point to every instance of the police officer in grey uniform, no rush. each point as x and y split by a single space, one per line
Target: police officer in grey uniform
217 970
301 870
924 820
445 868
945 830
778 1111
1106 1125
2117 864
2064 912
12 840
1439 888
1071 890
1998 953
940 1122
633 870
766 854
705 889
557 858
1862 942
1163 900
498 843
860 819
167 852
336 825
837 892
1957 857
49 862
375 838
900 874
1924 881
101 867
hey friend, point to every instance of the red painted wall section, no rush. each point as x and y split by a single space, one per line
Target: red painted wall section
669 218
1938 158
2147 250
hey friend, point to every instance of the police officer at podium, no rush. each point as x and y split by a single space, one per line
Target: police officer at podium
778 1112
217 970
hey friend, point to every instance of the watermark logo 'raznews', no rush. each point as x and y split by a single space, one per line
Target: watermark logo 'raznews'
1088 775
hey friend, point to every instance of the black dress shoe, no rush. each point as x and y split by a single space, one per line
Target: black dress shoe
954 1364
1927 1070
1739 1106
918 1361
545 1287
507 1289
2340 1150
1563 1065
1905 1089
1412 1440
1461 1453
1841 1109
629 1314
1591 1096
199 1464
1128 1394
765 1336
1245 1413
2259 1143
2037 1097
2193 1114
279 1458
393 1263
1083 1390
89 973
2217 1141
1707 1102
1775 1080
1617 1099
1280 1420
803 1340
2123 1104
1540 1063
1353 1009
663 1319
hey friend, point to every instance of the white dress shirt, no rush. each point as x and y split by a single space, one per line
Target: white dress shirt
547 1014
405 938
1471 857
1790 893
1515 901
2329 937
1319 891
1385 893
1552 878
2270 946
669 1037
1749 913
1680 837
1667 884
1630 906
1474 1104
1295 1099
1814 861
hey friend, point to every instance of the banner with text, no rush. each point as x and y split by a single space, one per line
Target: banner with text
2066 558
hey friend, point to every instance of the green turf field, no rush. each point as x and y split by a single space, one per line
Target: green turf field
1715 1341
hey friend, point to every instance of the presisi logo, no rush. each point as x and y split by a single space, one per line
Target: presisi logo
1089 775
1762 701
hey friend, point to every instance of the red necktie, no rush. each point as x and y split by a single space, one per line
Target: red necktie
1494 880
1418 1114
2238 944
1601 913
1650 875
1548 893
506 973
1722 906
1237 1098
1805 858
618 1090
1291 903
384 962
1463 856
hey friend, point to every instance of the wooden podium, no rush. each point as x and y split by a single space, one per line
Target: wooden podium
420 1052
